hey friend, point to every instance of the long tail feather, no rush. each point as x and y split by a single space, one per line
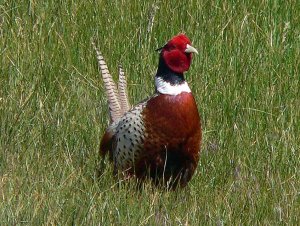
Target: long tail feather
110 88
122 86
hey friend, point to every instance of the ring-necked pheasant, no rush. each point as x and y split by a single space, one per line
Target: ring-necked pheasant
159 137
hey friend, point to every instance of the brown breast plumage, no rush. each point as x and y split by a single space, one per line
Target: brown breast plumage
172 138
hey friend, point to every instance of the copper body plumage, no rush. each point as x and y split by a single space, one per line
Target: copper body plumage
160 137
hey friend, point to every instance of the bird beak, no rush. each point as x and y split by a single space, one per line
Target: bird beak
190 49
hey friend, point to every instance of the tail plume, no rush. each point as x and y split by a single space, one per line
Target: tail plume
110 87
117 96
122 85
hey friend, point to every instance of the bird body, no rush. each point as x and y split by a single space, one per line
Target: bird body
159 137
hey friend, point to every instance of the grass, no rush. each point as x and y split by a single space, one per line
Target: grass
53 111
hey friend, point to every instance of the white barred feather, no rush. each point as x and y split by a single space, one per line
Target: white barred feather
122 85
117 98
110 88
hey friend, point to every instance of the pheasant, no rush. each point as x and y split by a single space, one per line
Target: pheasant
159 138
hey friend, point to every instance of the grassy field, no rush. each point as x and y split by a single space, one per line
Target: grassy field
53 110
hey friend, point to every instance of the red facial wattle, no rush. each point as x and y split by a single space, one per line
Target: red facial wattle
177 61
177 55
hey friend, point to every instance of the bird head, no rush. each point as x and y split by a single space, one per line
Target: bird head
177 53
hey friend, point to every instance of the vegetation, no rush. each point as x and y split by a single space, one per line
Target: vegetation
53 110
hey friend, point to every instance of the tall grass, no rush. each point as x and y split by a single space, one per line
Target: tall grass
53 110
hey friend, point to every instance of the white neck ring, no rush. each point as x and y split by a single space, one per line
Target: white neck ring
165 87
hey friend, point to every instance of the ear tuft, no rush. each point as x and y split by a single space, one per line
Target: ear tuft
159 49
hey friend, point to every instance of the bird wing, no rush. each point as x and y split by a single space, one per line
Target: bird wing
129 138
